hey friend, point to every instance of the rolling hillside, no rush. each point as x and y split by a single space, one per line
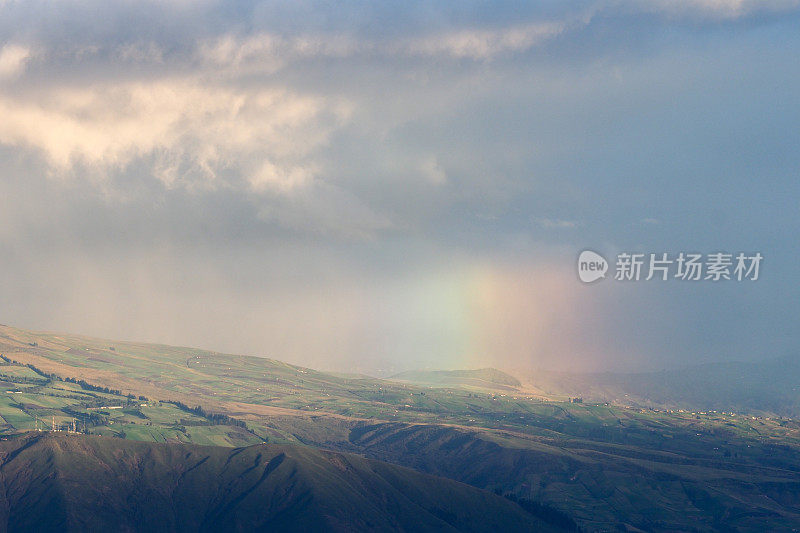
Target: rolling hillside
79 483
604 466
644 481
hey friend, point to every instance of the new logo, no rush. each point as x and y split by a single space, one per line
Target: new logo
591 266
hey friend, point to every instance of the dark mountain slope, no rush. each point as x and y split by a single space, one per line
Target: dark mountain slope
77 483
680 483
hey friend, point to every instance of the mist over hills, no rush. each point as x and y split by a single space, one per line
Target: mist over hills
394 203
484 378
602 466
770 386
767 387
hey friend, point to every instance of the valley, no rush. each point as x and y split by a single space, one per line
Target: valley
601 465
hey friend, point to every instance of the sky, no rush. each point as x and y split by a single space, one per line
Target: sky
374 187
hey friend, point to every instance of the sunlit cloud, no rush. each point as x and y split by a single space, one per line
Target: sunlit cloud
719 9
483 43
13 58
195 132
267 52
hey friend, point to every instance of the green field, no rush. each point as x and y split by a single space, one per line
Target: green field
606 465
69 407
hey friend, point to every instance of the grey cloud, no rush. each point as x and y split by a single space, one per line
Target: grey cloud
362 185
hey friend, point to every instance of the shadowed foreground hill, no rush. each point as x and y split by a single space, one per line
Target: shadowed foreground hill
682 483
77 483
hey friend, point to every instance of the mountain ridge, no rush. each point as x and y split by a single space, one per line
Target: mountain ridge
73 482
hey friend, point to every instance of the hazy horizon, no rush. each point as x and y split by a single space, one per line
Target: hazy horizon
385 187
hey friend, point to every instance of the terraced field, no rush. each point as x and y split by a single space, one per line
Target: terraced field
607 466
